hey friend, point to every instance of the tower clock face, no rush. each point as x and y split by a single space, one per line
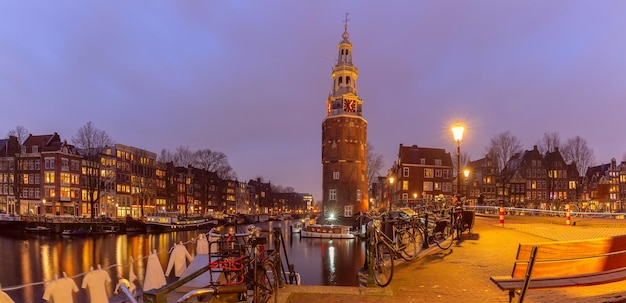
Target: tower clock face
349 106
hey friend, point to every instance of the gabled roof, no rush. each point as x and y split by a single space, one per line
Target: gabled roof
598 171
414 155
554 157
9 147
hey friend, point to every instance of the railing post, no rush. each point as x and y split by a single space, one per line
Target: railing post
370 256
278 263
425 243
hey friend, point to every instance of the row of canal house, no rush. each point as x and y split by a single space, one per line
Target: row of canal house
47 176
529 179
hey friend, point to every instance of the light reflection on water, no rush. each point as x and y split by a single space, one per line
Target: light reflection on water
35 258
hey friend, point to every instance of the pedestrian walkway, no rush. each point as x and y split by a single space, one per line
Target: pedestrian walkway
461 274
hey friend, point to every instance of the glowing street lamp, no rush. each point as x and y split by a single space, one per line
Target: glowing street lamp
457 133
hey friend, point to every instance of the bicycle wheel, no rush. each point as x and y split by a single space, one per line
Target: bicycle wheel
383 264
266 283
408 244
444 236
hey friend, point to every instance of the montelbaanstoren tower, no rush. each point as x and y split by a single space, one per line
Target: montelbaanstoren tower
344 139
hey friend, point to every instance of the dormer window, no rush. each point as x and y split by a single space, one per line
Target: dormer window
35 149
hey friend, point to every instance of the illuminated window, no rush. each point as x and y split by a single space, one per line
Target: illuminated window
49 177
65 192
405 184
428 173
65 178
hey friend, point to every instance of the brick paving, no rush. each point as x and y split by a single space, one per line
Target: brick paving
461 274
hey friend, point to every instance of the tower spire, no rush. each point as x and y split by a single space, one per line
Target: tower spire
345 34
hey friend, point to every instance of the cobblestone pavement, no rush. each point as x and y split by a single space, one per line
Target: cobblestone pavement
461 274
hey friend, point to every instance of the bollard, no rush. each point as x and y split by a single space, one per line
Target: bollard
567 215
501 214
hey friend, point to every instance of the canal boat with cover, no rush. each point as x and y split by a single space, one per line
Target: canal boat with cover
173 221
327 231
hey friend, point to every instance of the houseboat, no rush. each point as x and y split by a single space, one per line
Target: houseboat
173 221
327 231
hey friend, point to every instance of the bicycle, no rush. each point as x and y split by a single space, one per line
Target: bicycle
243 269
438 231
403 243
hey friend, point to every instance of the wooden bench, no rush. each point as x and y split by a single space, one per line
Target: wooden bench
565 264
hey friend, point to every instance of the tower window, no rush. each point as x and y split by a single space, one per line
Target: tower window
335 175
347 211
340 80
348 80
332 194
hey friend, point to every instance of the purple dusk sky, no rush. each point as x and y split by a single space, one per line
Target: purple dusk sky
250 78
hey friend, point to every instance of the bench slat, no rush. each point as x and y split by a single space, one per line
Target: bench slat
508 283
572 249
570 267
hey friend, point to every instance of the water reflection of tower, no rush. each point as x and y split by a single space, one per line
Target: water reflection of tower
341 260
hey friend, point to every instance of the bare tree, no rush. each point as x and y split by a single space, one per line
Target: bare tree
166 156
184 156
374 163
501 148
216 162
20 132
144 189
465 160
92 143
549 142
576 150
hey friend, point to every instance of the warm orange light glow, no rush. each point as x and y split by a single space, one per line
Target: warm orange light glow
457 131
466 173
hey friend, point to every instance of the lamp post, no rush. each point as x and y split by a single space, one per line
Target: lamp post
116 206
390 192
466 173
414 199
44 206
457 133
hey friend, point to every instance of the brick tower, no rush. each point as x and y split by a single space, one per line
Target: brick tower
344 140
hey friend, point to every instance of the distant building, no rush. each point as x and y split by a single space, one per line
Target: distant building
344 140
421 174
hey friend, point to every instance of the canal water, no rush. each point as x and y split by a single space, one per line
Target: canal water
28 260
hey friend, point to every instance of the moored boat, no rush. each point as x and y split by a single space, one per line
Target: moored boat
76 232
37 229
327 231
173 221
296 227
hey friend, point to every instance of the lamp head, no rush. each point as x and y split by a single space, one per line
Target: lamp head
457 131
